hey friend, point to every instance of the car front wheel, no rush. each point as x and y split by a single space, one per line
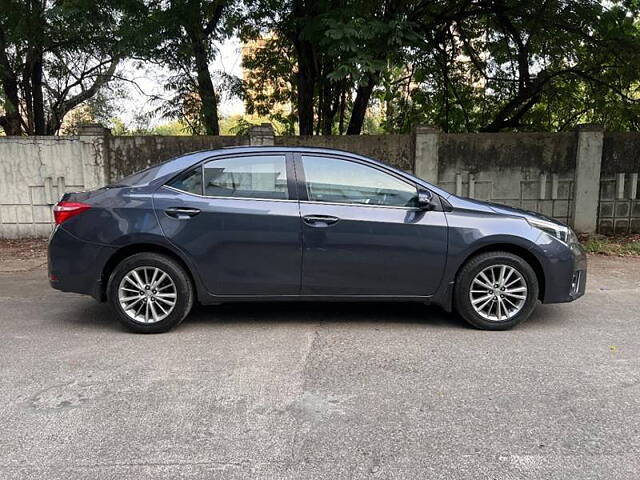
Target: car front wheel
150 292
496 291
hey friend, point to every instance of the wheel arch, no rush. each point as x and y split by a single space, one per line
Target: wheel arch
518 250
132 249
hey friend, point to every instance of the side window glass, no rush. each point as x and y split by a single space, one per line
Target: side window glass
341 181
189 181
261 176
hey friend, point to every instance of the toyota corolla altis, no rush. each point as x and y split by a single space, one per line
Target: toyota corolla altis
304 224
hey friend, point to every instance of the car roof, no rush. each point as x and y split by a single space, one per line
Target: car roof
278 148
295 148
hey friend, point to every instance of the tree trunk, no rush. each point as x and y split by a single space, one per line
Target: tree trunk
10 121
331 105
27 97
39 116
360 104
205 88
306 86
34 97
307 69
320 108
343 105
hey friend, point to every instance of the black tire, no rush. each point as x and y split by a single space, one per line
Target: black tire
180 278
477 264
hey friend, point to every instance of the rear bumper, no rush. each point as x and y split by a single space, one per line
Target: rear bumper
75 265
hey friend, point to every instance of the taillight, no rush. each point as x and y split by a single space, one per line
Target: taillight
63 211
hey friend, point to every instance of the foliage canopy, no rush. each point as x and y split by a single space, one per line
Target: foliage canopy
331 66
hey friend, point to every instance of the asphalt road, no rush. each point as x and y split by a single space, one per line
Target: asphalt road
320 391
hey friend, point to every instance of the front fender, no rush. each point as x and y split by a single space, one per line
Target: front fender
472 231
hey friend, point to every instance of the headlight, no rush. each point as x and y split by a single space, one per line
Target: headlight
561 232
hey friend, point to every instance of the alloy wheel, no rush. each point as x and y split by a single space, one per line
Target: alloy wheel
147 294
498 293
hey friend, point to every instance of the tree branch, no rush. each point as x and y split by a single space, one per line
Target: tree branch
67 105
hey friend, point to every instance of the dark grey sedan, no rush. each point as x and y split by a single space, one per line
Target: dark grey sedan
304 224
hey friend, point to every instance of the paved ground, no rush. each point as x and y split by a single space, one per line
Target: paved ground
320 391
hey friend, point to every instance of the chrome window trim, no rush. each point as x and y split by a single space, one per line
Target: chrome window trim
396 207
306 202
230 198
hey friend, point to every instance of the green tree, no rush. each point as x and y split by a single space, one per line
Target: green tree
465 65
55 55
336 48
543 64
180 35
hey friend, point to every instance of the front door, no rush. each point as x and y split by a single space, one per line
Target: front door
362 232
236 219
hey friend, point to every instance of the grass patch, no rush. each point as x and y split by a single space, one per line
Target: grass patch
617 245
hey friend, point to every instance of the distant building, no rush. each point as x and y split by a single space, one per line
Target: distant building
265 94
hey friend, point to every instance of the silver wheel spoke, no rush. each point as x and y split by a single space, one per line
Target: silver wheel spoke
161 308
513 282
147 305
487 302
159 280
166 295
137 278
503 308
515 290
506 299
481 299
498 292
485 278
134 303
133 282
153 311
481 283
507 277
513 295
128 299
152 282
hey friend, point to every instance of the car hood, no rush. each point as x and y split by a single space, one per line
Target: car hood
480 206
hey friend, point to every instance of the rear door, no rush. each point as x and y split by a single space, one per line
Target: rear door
362 232
238 219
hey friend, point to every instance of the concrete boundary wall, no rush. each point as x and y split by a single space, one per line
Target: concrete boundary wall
587 178
36 171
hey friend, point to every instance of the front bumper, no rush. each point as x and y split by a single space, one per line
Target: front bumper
566 276
75 265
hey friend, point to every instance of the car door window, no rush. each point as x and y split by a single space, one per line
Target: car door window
341 181
189 181
260 176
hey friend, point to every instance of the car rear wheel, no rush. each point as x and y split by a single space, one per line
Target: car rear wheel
150 292
496 291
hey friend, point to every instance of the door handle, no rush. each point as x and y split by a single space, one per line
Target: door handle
182 213
319 220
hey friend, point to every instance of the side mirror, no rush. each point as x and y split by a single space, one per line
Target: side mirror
425 200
